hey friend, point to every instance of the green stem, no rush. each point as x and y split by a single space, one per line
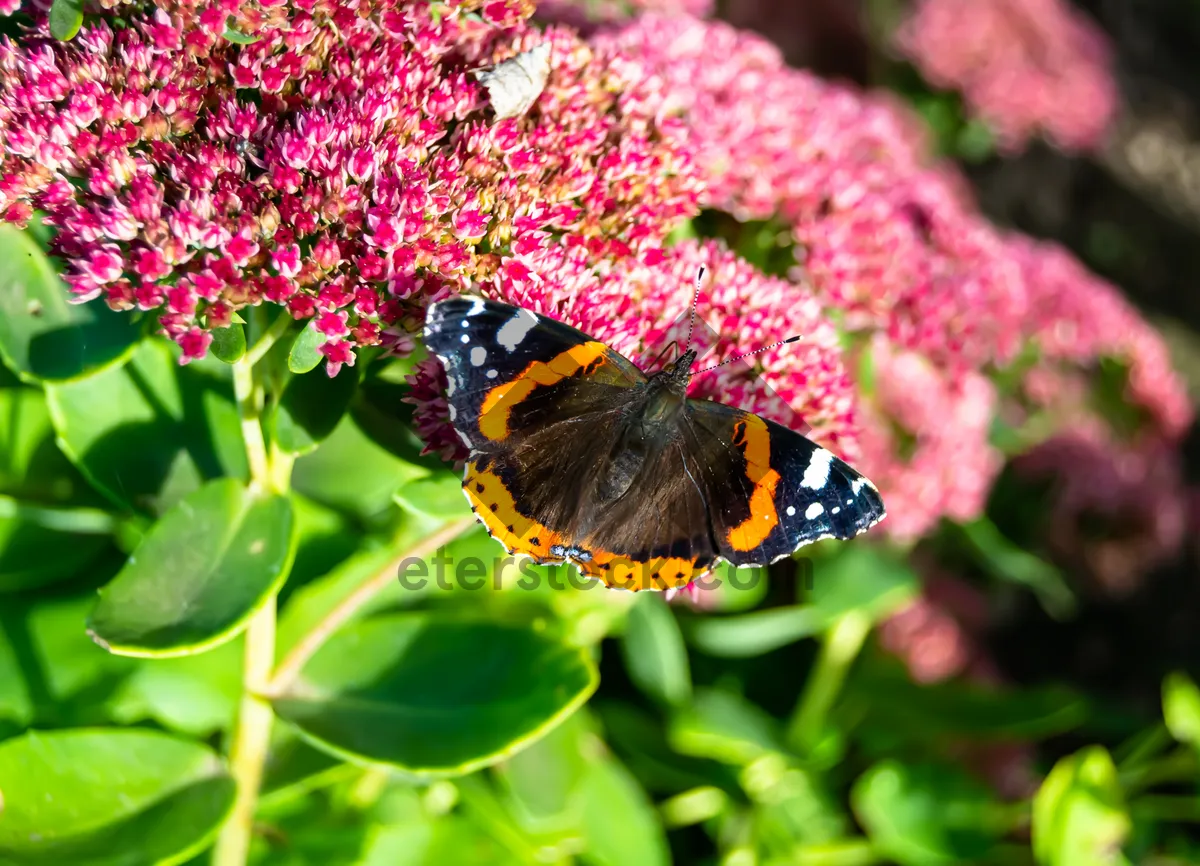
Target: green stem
268 339
289 668
249 410
841 645
1179 766
252 734
849 852
251 740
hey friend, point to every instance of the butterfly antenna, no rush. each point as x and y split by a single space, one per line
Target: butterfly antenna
695 298
748 354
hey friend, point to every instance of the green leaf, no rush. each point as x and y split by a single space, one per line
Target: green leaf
655 655
865 579
858 578
1079 814
310 409
435 695
195 695
40 545
1181 708
438 496
643 744
109 797
229 344
305 353
620 824
755 633
351 473
16 703
924 815
199 574
237 37
726 728
899 709
1006 561
68 674
42 336
150 432
381 413
31 466
66 17
541 780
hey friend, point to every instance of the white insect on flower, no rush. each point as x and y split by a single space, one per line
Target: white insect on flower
515 84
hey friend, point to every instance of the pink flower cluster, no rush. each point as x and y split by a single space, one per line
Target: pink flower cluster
345 165
586 15
1117 511
937 297
1024 66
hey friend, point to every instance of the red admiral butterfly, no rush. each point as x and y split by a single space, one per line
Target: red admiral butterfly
578 456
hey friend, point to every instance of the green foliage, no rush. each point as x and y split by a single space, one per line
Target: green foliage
200 575
434 694
1079 814
43 337
108 796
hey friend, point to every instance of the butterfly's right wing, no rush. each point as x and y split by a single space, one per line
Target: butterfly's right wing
511 372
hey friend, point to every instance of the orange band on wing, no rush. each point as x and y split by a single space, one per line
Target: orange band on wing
621 572
494 505
499 402
751 436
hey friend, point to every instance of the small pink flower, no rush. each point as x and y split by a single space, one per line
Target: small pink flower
195 343
105 264
151 265
332 324
337 353
241 249
286 260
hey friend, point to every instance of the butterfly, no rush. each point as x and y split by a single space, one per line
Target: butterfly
514 85
578 456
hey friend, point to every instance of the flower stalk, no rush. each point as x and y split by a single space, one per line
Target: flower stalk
252 731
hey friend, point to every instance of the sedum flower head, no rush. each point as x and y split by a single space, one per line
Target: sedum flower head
1024 66
346 165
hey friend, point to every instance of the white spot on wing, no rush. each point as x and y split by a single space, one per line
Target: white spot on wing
814 511
836 509
513 331
465 338
478 356
817 472
477 306
492 374
791 511
453 411
856 485
450 386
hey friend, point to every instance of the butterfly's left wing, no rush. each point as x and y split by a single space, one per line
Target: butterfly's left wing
770 490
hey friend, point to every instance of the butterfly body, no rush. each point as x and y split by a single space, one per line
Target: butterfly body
578 456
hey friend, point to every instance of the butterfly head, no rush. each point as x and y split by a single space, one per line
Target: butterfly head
675 376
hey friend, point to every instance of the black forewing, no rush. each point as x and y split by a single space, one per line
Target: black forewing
483 343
